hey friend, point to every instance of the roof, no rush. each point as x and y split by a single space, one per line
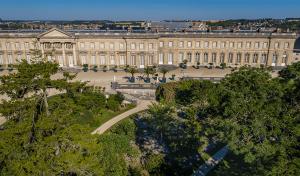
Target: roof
137 34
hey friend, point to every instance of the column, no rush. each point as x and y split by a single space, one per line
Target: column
74 54
42 48
64 54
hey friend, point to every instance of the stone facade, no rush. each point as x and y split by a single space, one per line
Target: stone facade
119 48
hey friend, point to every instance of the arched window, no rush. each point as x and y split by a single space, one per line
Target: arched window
170 58
274 59
197 57
230 58
247 58
238 58
263 59
206 57
284 59
222 58
189 57
214 57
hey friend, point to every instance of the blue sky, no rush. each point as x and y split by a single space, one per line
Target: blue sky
147 9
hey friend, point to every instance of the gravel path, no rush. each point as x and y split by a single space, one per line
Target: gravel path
141 105
211 162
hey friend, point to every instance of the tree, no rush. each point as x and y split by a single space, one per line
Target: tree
253 121
132 71
164 71
29 86
148 70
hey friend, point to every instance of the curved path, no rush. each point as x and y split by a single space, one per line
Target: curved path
141 105
211 162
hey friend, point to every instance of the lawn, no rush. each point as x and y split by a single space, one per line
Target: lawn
100 117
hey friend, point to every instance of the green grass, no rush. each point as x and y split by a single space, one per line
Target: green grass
106 115
95 119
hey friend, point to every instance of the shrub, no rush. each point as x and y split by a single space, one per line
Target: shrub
113 104
95 68
85 67
154 162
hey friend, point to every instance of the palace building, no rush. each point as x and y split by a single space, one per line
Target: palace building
141 49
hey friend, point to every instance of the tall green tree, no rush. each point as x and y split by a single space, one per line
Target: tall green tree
254 122
28 87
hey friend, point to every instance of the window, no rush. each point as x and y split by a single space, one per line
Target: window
111 46
18 46
189 44
274 59
132 46
255 58
214 44
284 59
83 60
214 57
141 46
8 46
286 45
223 45
150 45
206 44
231 44
248 44
198 44
263 58
222 58
1 59
112 60
256 45
230 58
161 44
240 45
102 59
150 60
10 59
57 45
82 45
20 58
132 60
102 46
161 58
121 45
265 45
181 57
71 60
27 45
170 58
181 44
206 57
247 58
276 45
170 44
197 57
238 58
189 57
93 60
92 45
60 61
142 61
122 60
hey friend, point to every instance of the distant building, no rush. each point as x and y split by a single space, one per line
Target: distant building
170 25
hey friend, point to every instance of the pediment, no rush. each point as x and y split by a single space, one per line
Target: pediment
55 33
